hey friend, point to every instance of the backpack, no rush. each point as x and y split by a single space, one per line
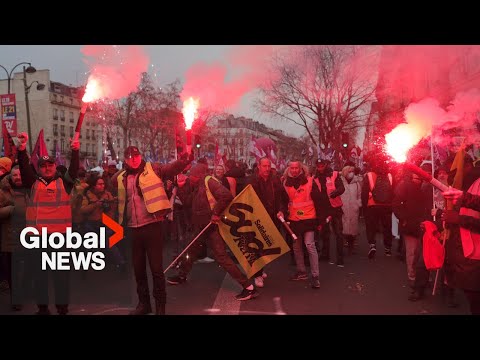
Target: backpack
382 191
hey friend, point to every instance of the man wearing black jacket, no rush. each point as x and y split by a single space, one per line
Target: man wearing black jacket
272 195
208 200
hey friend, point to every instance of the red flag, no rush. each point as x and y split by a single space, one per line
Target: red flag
39 150
10 150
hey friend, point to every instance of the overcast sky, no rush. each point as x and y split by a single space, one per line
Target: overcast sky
167 62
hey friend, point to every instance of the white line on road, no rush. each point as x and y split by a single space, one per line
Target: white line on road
225 303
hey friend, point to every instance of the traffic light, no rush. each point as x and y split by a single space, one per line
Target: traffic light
345 139
197 141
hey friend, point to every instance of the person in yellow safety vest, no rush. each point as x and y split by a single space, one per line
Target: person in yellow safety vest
208 200
331 187
142 206
303 208
49 207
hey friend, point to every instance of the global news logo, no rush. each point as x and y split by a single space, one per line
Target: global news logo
67 258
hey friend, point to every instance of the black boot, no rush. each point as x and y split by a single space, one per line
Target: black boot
416 294
62 309
43 310
159 309
141 309
451 303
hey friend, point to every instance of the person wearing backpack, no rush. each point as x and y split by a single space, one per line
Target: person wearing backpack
377 196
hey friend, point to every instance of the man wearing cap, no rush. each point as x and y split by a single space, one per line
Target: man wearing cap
208 200
142 206
49 207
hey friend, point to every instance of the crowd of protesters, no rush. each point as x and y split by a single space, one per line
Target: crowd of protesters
176 201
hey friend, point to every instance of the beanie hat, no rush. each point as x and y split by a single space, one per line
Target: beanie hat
6 163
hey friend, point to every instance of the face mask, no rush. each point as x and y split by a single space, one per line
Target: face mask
349 176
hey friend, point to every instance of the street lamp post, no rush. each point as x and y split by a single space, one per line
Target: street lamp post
30 69
40 86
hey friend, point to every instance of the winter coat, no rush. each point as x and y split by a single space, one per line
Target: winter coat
352 202
410 205
13 202
462 273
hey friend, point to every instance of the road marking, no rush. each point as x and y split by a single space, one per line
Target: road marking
225 302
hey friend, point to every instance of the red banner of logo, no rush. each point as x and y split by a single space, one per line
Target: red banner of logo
9 113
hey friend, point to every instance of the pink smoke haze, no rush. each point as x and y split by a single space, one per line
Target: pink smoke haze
220 86
115 71
435 80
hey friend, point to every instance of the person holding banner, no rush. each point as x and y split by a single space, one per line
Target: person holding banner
273 197
303 208
208 200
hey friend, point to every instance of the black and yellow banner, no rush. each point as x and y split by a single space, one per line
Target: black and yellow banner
250 233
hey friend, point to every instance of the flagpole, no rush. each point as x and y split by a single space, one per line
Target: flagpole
433 171
188 246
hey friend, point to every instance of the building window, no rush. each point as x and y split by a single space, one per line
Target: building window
93 134
55 114
61 98
225 141
55 145
71 101
241 151
62 130
241 142
55 129
55 98
71 131
71 116
62 146
88 133
62 115
87 148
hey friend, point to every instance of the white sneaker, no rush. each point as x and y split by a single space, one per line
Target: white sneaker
264 275
205 260
259 281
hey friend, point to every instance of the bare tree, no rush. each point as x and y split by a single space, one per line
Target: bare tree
324 89
157 116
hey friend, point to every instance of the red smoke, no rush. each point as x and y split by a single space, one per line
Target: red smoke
438 83
221 86
117 69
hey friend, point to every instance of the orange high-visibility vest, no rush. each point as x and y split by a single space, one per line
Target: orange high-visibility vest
330 184
49 206
301 205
